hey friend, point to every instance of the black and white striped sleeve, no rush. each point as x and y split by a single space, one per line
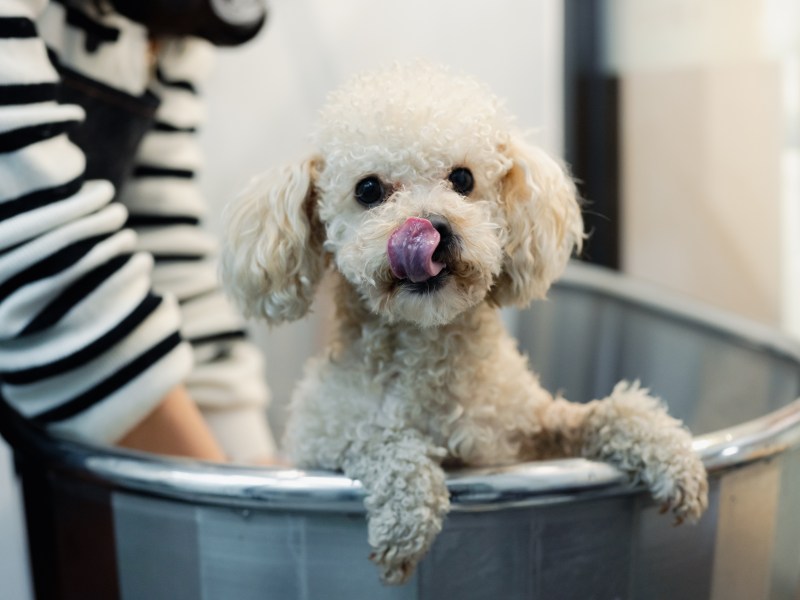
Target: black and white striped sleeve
166 209
86 348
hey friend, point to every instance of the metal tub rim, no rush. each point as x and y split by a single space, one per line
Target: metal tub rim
526 484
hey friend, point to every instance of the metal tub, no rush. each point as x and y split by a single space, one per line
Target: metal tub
107 524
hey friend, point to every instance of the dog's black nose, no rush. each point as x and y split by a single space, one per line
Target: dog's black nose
442 225
444 250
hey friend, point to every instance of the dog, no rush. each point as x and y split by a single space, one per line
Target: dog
432 211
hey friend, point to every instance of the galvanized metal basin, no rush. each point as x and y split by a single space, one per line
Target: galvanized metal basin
108 524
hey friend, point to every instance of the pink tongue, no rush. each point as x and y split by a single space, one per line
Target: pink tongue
411 250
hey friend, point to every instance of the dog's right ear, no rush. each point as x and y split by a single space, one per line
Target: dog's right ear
272 257
544 224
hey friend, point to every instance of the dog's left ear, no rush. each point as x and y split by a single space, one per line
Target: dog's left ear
272 259
544 224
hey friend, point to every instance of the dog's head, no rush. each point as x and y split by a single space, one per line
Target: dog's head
423 196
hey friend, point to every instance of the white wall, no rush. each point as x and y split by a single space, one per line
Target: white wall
710 93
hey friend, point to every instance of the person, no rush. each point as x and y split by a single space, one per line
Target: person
113 328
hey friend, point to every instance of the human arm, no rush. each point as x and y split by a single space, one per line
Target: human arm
175 428
86 348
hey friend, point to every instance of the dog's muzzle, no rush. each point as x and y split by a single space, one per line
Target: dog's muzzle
411 249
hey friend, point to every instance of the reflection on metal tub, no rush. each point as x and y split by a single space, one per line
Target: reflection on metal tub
108 524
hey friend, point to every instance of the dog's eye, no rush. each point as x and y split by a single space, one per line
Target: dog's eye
370 191
462 180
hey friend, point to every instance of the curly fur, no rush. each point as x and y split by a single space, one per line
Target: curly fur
416 380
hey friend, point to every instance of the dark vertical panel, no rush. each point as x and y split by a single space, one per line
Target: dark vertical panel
70 537
69 526
591 128
84 540
40 525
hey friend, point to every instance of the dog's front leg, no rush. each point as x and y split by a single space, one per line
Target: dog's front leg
406 497
631 430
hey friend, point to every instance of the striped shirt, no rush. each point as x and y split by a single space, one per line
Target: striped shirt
108 300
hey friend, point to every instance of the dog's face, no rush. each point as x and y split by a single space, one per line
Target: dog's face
423 196
409 192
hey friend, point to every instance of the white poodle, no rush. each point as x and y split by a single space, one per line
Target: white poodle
433 212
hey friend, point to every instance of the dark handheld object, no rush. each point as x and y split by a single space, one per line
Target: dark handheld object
222 22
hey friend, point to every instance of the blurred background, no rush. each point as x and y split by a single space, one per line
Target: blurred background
680 118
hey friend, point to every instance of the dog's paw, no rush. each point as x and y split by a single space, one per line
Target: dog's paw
406 501
400 538
633 431
682 488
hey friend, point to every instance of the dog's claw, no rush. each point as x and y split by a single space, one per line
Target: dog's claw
689 497
392 572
